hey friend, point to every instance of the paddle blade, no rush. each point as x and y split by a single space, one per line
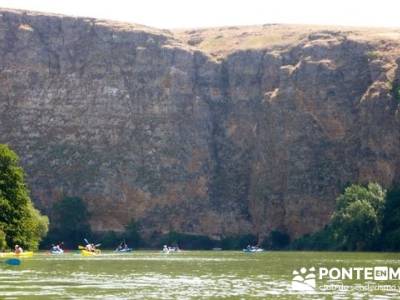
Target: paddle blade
97 245
86 241
13 262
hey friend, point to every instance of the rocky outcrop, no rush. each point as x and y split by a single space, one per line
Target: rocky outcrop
179 135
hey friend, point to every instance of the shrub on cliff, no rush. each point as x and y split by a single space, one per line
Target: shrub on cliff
20 222
396 91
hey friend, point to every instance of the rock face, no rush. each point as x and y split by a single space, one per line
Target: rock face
176 131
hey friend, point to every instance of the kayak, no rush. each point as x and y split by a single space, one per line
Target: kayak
253 250
168 250
57 252
123 250
12 254
90 253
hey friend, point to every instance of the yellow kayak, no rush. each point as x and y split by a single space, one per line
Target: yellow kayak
90 253
12 254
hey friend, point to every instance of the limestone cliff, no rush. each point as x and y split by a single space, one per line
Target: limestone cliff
214 131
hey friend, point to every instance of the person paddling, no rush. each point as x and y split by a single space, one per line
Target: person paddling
91 247
60 246
166 249
56 248
18 249
124 246
121 246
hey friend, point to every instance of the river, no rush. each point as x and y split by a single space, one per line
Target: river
203 275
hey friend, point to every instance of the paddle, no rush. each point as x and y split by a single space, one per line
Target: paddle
84 248
87 243
13 262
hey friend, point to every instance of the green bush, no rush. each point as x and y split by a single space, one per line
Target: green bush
132 235
396 91
321 240
3 243
109 240
236 242
187 241
391 222
37 226
70 221
357 220
356 223
20 222
277 240
373 54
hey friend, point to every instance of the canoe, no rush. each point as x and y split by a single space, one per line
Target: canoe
90 253
124 250
253 250
12 254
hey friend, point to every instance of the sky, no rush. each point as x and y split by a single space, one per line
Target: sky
210 13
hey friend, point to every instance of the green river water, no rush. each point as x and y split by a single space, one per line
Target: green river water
193 275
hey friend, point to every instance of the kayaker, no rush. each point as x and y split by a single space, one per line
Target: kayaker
91 247
57 248
124 246
119 248
18 249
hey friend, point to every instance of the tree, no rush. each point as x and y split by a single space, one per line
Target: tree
320 240
132 235
3 243
20 222
109 239
276 240
187 241
357 220
391 221
36 227
238 241
70 222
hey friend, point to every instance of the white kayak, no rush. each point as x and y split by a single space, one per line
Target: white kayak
253 250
